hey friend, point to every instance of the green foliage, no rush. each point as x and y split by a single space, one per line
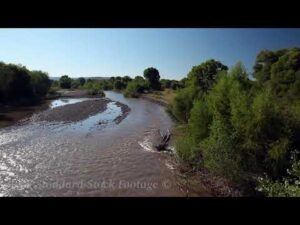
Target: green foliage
119 85
199 121
81 81
220 153
183 103
165 83
95 91
289 186
205 74
135 87
65 82
186 148
18 84
199 82
40 83
95 87
173 84
152 76
238 127
14 82
281 69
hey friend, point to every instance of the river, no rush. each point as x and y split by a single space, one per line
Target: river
86 159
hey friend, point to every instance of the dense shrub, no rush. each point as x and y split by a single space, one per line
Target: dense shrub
136 87
183 103
239 128
94 88
289 186
18 84
119 85
199 121
199 81
40 83
187 150
281 69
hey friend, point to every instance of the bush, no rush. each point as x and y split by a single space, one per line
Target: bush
40 83
94 88
133 90
183 103
199 121
18 84
187 150
95 91
119 85
135 87
287 187
220 154
14 82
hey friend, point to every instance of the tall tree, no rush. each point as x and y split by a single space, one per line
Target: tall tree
152 76
65 81
205 74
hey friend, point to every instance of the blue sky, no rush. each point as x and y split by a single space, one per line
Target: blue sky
118 52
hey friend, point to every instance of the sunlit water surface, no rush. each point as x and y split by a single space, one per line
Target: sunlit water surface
87 158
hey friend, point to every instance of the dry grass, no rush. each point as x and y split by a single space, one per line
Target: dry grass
166 96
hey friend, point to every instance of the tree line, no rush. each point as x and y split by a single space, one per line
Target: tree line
131 87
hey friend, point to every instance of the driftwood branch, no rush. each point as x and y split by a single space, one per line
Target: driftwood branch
163 140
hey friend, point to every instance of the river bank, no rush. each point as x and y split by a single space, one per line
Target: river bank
137 131
12 114
42 158
192 179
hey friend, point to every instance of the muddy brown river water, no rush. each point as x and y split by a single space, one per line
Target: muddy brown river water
87 159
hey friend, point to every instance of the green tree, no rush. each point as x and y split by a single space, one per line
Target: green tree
205 74
152 76
81 81
40 83
14 82
119 85
281 70
65 82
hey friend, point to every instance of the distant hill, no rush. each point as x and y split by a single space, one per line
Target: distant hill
94 78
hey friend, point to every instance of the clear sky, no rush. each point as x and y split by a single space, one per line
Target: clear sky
118 52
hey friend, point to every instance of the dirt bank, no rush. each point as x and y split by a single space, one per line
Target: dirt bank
10 115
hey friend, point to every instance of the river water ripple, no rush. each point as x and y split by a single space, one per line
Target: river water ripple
86 158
